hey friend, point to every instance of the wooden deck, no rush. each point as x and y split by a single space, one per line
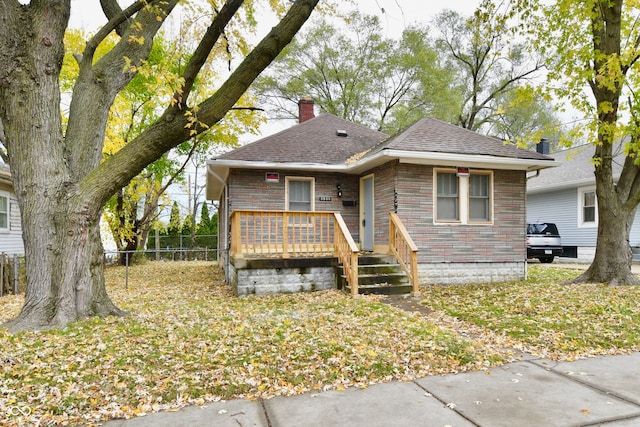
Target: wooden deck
288 234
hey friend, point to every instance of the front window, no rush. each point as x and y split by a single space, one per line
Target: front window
447 203
479 197
465 198
588 208
300 194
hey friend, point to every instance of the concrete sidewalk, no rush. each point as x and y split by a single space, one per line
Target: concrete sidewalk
602 391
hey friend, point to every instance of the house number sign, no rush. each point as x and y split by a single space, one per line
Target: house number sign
325 198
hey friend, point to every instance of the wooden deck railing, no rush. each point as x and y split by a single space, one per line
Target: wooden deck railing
406 252
347 253
287 233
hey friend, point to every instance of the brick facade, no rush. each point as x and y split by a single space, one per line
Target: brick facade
248 190
449 253
500 241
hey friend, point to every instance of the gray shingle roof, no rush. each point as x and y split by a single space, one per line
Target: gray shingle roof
432 135
313 141
576 169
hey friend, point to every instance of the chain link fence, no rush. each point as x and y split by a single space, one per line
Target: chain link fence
169 248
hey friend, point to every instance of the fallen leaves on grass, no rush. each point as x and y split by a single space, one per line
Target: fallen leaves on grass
188 341
543 317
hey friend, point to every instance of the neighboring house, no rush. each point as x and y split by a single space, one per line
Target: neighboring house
10 226
448 203
566 196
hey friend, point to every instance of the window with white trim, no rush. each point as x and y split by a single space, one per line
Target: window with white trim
300 191
588 207
4 212
464 199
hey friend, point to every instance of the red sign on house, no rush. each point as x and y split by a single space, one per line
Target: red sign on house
463 171
272 177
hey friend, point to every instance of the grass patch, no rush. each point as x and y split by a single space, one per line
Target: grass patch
544 317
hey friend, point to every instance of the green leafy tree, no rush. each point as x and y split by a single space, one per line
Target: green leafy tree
188 225
132 210
488 58
353 72
595 49
60 178
175 222
207 229
204 225
525 117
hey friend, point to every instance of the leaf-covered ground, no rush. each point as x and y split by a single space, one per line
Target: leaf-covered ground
544 317
189 341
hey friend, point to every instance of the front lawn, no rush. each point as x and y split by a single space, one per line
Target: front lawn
546 318
189 341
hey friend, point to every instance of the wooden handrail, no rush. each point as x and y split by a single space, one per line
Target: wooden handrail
295 233
347 252
405 250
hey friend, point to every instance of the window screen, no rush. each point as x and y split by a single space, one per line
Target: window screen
589 206
447 197
299 195
479 198
4 212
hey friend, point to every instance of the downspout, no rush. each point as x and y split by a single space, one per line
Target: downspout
534 176
226 221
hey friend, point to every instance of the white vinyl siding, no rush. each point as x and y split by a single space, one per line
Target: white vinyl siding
4 212
11 228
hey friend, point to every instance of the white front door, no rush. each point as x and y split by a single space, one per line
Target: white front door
366 213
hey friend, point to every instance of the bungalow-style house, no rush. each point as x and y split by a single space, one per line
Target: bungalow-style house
566 196
305 208
10 226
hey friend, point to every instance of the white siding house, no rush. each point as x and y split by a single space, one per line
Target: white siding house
565 195
10 225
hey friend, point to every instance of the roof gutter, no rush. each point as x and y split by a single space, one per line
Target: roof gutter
452 159
368 162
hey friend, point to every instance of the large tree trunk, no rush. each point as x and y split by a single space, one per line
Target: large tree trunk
60 182
63 251
613 257
617 201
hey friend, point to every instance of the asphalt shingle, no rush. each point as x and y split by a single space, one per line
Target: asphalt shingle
432 135
317 141
313 141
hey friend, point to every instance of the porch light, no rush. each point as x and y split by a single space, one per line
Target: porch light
339 188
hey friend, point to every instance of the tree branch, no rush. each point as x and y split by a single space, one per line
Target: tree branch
112 10
203 50
170 130
113 24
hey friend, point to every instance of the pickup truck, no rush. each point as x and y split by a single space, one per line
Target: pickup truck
543 241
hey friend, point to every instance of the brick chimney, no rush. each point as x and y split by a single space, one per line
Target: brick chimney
305 109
